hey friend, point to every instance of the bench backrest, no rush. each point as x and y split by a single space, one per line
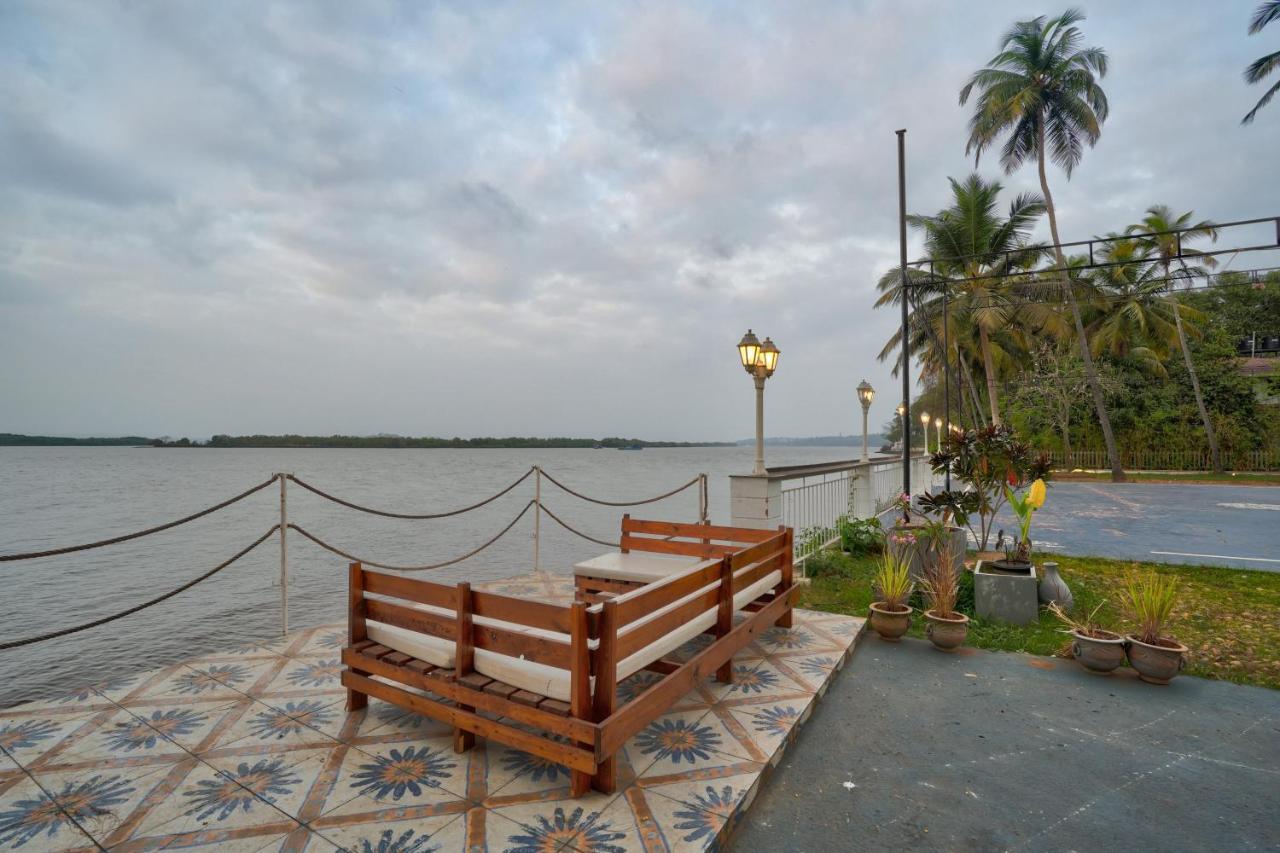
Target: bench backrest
687 539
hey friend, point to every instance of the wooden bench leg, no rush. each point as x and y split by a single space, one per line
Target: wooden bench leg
463 739
606 779
579 782
784 621
356 700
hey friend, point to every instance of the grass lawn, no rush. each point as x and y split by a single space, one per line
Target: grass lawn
1241 479
1228 618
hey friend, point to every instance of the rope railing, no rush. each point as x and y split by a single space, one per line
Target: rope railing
13 644
352 557
696 480
560 521
71 549
404 515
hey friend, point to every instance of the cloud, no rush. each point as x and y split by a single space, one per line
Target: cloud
546 219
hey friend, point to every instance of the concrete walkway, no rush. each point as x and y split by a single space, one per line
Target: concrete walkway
914 748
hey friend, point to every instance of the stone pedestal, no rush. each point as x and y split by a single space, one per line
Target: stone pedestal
755 501
1005 597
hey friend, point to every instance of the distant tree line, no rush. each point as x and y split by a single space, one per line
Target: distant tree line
11 439
426 442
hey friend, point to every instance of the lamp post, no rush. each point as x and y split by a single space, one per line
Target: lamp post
865 395
902 422
759 360
937 428
924 424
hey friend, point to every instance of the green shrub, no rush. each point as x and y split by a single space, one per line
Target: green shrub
860 536
827 564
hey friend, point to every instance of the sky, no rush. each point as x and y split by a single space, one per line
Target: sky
528 218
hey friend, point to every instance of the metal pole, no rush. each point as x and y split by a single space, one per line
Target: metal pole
760 469
906 344
537 517
284 555
946 375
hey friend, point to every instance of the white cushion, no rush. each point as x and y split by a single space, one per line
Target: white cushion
636 566
425 647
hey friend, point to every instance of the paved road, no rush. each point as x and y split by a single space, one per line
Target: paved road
916 749
1236 526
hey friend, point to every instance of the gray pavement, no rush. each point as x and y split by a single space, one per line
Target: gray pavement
1233 526
912 748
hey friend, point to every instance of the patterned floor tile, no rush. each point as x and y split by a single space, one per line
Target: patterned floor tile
31 820
769 724
626 825
325 641
26 738
564 824
223 680
397 835
424 772
754 680
127 736
290 724
694 813
685 742
101 798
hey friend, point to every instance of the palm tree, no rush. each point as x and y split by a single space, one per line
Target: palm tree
1042 90
1134 319
1172 250
1265 14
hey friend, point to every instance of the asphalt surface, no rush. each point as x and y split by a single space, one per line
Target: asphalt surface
912 748
1234 526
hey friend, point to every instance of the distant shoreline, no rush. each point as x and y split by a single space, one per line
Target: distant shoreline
397 442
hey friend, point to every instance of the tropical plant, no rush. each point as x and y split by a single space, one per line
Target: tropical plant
940 580
1260 68
860 535
892 580
1041 91
988 459
949 506
1024 506
1151 598
1089 626
1165 236
974 251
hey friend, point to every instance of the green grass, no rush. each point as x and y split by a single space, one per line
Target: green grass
1228 618
1241 479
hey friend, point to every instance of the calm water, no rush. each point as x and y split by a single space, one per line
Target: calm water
61 496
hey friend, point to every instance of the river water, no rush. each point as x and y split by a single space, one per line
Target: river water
59 496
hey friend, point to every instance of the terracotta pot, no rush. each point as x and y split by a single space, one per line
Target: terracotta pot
890 624
1157 664
1098 654
946 634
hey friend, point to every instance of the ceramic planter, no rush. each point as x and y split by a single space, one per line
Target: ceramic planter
890 624
1053 589
1157 664
946 634
1100 654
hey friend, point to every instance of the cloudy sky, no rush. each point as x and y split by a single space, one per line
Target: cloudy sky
474 218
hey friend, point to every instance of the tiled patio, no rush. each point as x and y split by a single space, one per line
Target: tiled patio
252 750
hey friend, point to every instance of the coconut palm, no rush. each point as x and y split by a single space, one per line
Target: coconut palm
1041 91
1258 70
1171 251
1134 320
973 249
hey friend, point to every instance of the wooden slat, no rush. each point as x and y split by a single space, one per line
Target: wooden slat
377 651
398 658
570 756
420 666
635 715
642 602
745 557
696 531
524 697
443 683
555 706
410 619
464 660
362 645
522 611
747 577
475 680
676 546
500 688
421 592
517 645
634 640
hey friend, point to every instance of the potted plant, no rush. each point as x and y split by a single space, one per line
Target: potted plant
947 626
891 615
1097 649
1156 658
933 508
1018 556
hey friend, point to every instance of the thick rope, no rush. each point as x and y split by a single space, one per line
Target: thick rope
73 548
353 558
13 644
414 516
674 491
558 520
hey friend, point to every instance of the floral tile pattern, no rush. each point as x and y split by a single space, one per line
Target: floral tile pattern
252 750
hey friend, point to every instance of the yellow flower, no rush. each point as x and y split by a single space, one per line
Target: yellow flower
1036 496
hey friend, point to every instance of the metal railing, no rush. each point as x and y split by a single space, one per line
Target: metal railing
1168 460
816 498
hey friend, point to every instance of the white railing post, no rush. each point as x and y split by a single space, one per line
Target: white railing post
284 554
537 517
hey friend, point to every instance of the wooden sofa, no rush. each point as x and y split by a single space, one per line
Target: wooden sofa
543 677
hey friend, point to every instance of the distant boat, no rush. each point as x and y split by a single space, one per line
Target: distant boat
632 447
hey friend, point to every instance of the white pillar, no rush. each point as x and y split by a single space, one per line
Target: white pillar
755 501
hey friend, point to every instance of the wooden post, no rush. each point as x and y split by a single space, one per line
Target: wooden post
284 556
606 692
537 517
464 658
788 571
724 615
622 546
580 684
356 629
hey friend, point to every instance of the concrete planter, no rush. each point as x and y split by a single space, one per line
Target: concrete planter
959 543
1157 664
890 624
1000 597
944 633
1098 654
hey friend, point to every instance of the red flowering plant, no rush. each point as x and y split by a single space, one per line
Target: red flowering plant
987 460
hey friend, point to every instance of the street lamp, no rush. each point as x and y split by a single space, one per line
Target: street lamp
902 422
924 424
865 394
937 428
759 360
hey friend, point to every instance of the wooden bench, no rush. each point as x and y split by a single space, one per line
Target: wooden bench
542 677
